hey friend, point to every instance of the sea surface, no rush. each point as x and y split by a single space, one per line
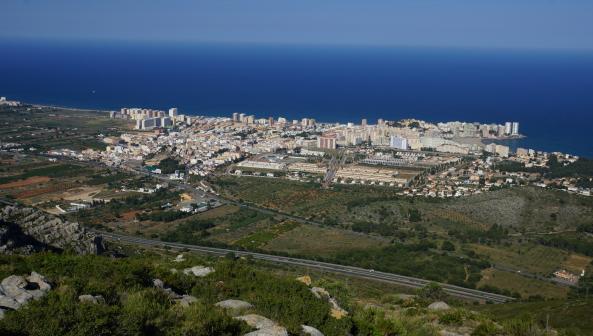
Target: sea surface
549 92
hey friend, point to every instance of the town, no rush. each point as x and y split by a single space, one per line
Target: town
446 159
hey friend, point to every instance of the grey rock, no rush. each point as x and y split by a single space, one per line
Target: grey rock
26 230
16 290
186 300
158 283
8 302
13 285
40 280
311 331
87 298
199 271
234 305
257 321
439 305
272 331
320 292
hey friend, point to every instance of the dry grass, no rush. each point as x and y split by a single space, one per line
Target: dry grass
525 286
311 240
218 212
529 258
26 182
576 263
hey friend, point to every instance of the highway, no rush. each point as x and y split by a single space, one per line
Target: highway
400 280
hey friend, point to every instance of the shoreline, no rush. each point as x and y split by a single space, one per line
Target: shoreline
482 142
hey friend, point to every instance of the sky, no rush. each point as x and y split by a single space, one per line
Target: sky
548 24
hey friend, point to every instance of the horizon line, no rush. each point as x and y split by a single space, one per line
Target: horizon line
143 41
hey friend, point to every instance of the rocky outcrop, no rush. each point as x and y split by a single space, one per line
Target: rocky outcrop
439 305
305 279
264 326
16 290
336 311
234 306
94 299
272 331
308 330
182 299
26 230
199 271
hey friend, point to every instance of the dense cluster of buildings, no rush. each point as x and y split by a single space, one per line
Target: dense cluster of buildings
422 158
149 119
6 102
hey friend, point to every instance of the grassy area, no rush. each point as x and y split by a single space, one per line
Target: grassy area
262 237
503 228
573 316
528 257
315 241
132 306
524 210
521 285
55 128
576 263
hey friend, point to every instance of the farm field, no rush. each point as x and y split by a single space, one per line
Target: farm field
574 316
45 128
314 241
521 285
473 226
529 257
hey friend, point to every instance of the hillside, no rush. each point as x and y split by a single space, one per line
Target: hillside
151 294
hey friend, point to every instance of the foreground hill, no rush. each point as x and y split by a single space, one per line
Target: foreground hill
159 294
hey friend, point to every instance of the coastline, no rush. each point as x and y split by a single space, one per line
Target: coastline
513 142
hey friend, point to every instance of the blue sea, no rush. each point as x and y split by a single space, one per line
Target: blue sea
549 92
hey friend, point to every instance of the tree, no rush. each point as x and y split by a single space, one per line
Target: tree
447 246
432 292
414 215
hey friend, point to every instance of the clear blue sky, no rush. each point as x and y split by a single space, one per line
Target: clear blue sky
551 24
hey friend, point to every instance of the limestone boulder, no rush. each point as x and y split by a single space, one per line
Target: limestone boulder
439 305
16 290
234 306
94 299
199 271
311 331
257 321
272 331
186 300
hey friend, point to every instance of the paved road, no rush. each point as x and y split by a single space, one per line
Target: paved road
456 291
459 292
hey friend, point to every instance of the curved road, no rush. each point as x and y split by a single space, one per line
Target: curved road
456 291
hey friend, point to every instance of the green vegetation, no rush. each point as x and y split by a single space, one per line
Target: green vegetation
419 261
52 171
47 128
460 238
580 168
168 166
569 241
98 179
573 317
133 307
189 232
101 214
162 215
